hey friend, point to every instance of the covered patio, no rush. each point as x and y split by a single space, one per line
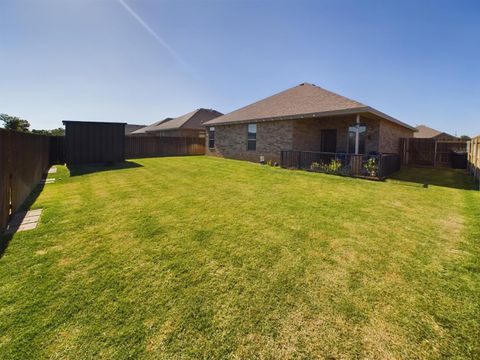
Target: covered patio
348 145
353 134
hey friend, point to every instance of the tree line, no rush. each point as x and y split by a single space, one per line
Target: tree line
15 123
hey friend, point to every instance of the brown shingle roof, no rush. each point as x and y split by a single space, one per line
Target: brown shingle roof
192 120
130 128
425 132
300 101
144 130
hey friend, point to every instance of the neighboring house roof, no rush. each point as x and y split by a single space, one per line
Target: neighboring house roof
129 128
425 132
144 130
304 100
192 120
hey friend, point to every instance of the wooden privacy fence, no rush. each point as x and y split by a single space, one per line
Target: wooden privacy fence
149 146
429 152
57 150
24 158
474 157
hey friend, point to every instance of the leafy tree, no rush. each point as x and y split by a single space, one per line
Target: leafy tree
14 123
465 138
58 132
54 132
41 132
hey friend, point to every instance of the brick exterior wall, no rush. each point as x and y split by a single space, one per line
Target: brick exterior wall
307 133
390 135
272 137
302 134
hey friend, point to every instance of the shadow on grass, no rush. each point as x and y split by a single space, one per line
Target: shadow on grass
26 205
445 177
78 170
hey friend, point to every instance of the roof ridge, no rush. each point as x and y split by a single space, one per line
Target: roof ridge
209 110
268 97
334 93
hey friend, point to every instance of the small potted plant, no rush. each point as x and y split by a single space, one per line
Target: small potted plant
371 166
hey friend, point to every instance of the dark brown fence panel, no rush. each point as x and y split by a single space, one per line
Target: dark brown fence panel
445 149
57 150
94 142
150 146
429 152
420 151
29 161
24 158
389 164
4 178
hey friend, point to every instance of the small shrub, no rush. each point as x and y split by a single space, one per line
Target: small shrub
371 166
334 166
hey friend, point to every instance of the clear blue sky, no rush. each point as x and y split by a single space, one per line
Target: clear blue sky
144 60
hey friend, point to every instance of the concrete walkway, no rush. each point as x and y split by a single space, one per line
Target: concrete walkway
23 221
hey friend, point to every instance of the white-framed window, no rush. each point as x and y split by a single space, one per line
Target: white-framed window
252 137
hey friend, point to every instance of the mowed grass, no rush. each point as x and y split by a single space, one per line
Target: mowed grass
199 257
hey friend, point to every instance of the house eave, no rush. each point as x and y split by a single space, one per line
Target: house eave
290 117
391 119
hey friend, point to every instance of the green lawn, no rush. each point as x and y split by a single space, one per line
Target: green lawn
199 257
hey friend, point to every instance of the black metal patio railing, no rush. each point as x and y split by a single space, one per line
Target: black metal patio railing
368 166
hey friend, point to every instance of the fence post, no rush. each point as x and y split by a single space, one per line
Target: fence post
476 154
468 155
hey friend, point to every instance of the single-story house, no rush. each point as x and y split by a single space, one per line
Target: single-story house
425 132
306 118
188 125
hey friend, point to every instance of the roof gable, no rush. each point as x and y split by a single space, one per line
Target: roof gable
299 101
302 99
425 132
